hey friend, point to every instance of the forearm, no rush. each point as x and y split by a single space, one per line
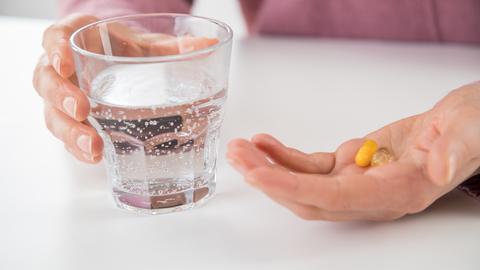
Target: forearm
109 8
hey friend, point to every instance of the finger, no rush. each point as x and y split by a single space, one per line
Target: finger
159 44
79 137
345 154
454 155
187 44
244 156
60 92
82 157
292 158
155 44
56 42
124 41
387 188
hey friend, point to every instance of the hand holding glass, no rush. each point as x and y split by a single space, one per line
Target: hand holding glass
157 85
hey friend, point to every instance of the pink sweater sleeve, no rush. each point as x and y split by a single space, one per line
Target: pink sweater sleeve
110 8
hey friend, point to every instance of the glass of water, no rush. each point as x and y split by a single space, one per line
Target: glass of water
157 85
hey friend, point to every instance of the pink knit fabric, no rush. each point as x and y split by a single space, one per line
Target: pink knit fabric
111 8
408 20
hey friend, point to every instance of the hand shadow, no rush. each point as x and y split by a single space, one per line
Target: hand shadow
454 204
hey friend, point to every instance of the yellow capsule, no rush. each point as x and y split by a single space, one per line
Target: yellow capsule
382 156
365 153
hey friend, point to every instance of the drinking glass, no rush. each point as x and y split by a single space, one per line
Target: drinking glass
157 85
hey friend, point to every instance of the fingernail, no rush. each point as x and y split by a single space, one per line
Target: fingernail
70 106
88 157
84 142
57 63
451 168
235 165
270 140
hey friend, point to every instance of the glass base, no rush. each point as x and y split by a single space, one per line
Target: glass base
164 204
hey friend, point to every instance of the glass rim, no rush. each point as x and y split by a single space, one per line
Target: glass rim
150 59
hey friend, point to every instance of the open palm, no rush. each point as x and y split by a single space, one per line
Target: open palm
331 186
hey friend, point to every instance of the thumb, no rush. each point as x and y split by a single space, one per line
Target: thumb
455 154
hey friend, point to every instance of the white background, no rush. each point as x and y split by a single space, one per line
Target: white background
29 8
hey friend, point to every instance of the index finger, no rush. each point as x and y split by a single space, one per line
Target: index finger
292 158
56 42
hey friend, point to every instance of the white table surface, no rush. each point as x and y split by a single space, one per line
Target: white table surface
57 213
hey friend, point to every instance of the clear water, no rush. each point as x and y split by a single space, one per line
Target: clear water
160 136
